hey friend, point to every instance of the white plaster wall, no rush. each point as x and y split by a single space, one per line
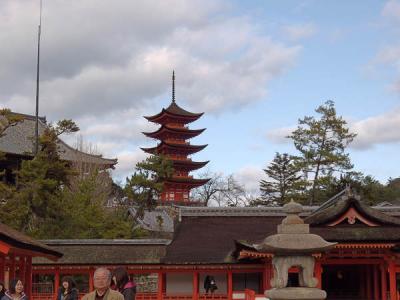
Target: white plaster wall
220 280
179 283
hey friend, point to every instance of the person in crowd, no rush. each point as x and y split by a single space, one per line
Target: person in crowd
2 290
68 290
16 291
210 284
123 284
101 283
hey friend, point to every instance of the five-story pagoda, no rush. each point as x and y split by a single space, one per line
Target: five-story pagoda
173 135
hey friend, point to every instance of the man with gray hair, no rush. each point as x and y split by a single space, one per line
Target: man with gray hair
101 283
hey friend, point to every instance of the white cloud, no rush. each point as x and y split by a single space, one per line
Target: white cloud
250 177
372 131
279 135
380 129
392 9
105 64
299 31
126 163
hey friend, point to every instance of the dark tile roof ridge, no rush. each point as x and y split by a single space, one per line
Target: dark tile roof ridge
97 156
106 241
73 151
30 117
238 211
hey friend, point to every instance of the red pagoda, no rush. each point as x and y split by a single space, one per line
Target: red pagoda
173 135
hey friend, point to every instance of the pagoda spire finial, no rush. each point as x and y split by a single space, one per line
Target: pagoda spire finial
173 86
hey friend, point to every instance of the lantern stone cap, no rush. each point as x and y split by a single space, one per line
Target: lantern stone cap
293 208
293 236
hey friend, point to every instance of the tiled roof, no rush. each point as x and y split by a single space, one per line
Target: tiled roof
19 240
151 220
104 252
19 139
207 235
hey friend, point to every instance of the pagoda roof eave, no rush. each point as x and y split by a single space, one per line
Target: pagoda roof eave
174 111
190 149
190 165
165 128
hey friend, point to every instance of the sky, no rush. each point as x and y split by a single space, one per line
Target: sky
253 67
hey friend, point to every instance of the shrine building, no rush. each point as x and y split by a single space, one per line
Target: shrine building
219 242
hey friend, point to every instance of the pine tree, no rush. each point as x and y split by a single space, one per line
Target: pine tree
283 182
87 217
322 143
145 186
35 207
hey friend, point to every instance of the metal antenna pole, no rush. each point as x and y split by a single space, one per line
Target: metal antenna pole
37 84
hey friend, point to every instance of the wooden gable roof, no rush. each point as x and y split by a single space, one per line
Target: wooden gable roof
350 210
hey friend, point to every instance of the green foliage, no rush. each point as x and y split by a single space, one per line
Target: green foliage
87 216
284 181
66 126
144 187
322 143
51 201
35 206
7 119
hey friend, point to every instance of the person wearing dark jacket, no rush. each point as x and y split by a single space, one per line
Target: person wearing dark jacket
16 291
123 284
68 290
209 284
2 290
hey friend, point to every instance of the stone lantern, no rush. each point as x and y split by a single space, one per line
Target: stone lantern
293 246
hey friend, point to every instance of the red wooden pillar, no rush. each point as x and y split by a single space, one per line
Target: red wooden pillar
230 285
369 283
318 272
56 282
267 274
392 280
91 279
22 267
2 267
376 282
383 281
11 272
28 277
195 288
160 287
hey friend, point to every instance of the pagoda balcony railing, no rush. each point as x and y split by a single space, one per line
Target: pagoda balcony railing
182 176
179 157
177 141
177 125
